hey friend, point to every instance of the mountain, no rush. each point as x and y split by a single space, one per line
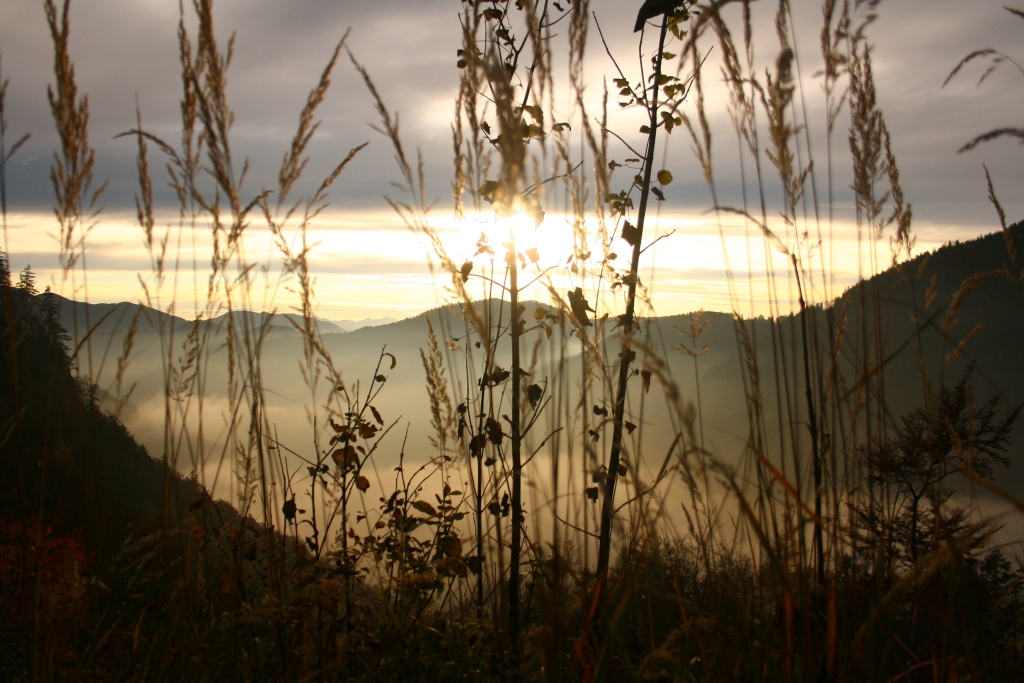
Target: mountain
62 454
287 320
78 317
894 329
350 325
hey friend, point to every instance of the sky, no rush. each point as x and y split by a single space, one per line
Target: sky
367 264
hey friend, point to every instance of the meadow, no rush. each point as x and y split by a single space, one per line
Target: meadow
509 488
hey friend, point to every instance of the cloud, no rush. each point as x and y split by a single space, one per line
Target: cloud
126 57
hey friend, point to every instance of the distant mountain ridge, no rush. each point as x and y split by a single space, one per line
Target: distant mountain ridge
951 264
110 317
922 345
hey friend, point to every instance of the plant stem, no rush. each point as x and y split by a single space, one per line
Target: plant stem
625 358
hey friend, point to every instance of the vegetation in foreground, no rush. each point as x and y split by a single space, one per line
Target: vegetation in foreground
836 543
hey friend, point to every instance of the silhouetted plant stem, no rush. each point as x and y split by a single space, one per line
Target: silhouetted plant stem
812 422
517 462
626 356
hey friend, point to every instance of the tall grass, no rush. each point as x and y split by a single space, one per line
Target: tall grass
601 534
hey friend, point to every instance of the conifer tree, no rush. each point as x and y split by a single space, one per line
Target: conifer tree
27 281
5 271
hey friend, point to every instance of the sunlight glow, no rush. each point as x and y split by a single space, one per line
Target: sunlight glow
370 265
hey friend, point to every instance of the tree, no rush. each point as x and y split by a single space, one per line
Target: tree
27 281
52 327
948 435
5 270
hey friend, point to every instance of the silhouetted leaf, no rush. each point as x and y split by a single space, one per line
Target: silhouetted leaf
533 394
477 444
289 509
579 306
425 507
494 433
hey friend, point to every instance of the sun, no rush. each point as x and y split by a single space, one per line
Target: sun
485 237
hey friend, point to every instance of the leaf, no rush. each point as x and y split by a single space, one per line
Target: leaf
466 269
394 361
600 410
425 507
664 177
592 493
289 509
646 375
658 193
579 306
345 458
362 483
451 546
474 562
534 393
380 378
630 233
477 444
494 433
630 427
489 190
499 375
376 416
366 431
